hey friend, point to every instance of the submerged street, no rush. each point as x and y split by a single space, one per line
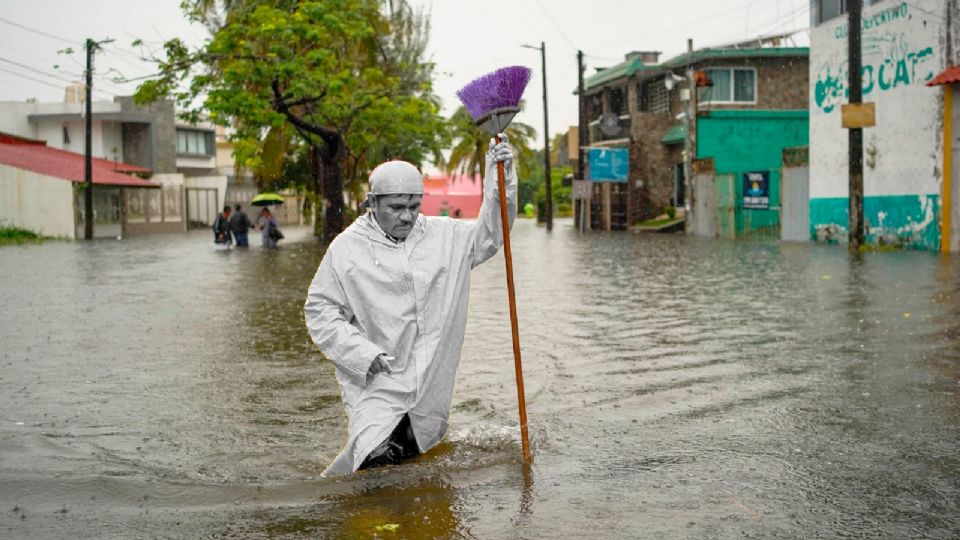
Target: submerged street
677 387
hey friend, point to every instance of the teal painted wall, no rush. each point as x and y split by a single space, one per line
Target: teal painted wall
902 220
741 141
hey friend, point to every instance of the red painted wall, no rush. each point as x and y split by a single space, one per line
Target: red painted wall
446 195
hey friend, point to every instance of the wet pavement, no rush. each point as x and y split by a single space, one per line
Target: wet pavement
677 387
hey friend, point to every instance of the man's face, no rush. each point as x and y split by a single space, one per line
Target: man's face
396 214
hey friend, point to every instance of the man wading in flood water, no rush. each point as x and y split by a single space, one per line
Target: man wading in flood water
388 306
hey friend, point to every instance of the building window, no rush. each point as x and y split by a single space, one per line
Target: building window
617 101
730 85
824 10
194 142
654 97
828 9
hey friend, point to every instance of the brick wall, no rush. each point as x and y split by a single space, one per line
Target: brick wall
782 83
652 162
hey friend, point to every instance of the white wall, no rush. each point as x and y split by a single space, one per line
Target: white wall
13 119
902 50
215 182
209 163
111 142
36 202
168 179
104 136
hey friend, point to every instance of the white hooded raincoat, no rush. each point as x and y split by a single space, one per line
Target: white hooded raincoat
408 300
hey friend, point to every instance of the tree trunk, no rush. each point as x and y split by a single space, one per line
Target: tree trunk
316 173
332 160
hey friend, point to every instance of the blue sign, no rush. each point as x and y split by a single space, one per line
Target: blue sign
609 164
756 190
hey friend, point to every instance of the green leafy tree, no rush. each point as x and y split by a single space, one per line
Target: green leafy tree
561 194
346 76
470 144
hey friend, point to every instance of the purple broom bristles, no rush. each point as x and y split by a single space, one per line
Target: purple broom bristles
501 88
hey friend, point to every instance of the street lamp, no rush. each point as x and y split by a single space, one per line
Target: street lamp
548 205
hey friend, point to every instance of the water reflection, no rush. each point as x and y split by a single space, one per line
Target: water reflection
677 387
375 508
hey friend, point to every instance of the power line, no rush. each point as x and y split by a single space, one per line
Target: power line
39 32
555 25
54 76
28 68
29 78
141 62
711 18
50 84
771 25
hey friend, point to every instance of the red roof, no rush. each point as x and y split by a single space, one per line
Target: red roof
36 156
950 75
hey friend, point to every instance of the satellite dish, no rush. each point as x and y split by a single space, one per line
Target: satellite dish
609 124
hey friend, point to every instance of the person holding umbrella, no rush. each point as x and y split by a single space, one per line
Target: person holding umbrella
265 221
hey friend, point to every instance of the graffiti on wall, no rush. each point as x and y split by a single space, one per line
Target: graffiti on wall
880 18
900 220
889 62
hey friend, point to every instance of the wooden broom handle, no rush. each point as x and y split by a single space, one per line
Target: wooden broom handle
508 259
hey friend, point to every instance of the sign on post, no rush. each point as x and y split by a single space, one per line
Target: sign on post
858 115
581 190
756 190
609 164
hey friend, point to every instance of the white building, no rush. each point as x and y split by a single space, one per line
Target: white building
905 45
181 156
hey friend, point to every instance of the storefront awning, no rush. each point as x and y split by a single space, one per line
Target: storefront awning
951 75
675 135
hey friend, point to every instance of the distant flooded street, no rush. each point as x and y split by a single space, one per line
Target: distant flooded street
677 388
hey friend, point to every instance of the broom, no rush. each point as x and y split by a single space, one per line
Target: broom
492 101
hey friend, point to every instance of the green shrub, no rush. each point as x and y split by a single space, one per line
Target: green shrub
17 236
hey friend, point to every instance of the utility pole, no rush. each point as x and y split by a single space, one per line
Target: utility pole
855 136
546 140
690 142
88 146
582 140
548 187
91 47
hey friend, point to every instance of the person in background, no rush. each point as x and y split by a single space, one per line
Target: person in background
221 228
269 229
239 226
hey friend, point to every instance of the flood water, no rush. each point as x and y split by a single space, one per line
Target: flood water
677 388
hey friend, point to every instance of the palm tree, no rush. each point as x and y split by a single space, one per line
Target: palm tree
471 143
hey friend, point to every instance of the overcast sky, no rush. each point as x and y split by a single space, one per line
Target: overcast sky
468 39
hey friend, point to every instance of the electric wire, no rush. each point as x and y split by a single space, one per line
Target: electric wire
54 75
712 18
28 68
40 32
50 84
555 25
